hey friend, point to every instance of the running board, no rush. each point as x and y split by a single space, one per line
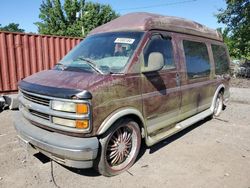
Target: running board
151 140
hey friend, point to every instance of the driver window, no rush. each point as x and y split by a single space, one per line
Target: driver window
164 46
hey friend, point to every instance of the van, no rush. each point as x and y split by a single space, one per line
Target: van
140 77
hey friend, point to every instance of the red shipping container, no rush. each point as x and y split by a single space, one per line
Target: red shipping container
23 54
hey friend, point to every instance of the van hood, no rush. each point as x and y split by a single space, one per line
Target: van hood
62 84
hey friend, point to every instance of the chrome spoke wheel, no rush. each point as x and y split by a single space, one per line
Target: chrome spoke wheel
218 106
119 146
217 103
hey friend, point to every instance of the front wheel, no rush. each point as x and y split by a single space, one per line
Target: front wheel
119 148
218 106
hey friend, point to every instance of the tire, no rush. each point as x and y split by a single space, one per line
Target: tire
2 103
218 106
119 148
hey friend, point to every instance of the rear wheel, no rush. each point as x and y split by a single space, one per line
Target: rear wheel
218 106
119 148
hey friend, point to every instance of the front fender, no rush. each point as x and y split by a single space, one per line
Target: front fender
114 116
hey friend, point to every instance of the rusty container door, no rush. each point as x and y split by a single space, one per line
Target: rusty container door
24 54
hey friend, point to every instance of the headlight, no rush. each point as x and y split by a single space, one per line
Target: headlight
79 108
79 124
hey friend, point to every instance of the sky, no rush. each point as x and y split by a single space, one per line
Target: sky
26 12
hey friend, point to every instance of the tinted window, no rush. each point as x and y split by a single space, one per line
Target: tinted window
164 46
197 59
220 59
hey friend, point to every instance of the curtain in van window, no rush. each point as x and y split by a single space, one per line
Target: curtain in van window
197 59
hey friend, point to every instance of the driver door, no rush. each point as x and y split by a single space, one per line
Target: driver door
161 89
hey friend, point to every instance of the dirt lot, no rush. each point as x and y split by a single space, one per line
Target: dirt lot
240 82
213 153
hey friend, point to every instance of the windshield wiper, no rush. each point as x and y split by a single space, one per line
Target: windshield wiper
63 67
90 63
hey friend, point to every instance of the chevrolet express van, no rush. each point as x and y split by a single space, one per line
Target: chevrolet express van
140 77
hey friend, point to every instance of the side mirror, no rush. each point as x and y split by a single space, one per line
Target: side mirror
155 62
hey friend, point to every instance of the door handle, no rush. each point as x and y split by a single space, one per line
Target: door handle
177 78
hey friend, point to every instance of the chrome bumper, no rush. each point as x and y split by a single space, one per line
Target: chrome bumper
69 151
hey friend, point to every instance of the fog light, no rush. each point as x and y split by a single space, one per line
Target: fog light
65 122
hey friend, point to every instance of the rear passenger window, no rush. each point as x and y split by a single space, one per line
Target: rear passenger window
164 46
197 59
220 59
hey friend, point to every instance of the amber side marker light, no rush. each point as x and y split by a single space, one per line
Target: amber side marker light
81 108
82 124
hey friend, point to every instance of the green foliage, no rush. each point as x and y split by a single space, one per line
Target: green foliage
229 42
58 19
12 27
237 18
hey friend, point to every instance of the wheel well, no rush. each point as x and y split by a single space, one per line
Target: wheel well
219 89
222 90
136 119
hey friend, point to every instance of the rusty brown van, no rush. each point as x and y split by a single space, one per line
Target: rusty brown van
139 77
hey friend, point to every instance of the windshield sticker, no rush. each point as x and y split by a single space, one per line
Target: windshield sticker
124 40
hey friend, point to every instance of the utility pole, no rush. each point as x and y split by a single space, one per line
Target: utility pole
82 18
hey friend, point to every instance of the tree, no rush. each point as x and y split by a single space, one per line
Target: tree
229 42
237 18
71 18
12 27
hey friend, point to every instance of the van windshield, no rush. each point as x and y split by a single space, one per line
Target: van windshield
102 53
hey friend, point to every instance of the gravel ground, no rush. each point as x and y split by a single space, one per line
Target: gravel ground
213 153
236 95
240 82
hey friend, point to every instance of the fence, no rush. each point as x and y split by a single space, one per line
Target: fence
24 54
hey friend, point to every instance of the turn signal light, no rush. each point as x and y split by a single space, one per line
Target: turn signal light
82 124
81 108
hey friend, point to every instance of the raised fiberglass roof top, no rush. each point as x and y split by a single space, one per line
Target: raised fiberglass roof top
142 21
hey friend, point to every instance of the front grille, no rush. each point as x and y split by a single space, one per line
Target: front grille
36 99
36 109
39 114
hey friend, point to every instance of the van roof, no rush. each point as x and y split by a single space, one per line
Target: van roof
142 21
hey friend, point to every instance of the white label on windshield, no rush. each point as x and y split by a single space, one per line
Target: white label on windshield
124 40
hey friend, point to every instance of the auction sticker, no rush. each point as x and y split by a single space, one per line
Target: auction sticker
124 40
